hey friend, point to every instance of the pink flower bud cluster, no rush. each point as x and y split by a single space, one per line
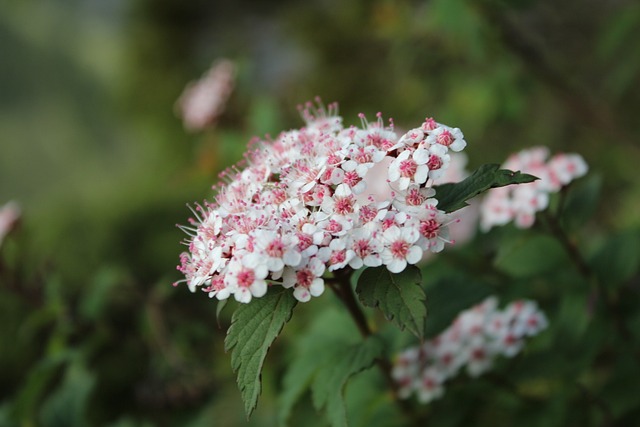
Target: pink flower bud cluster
202 101
519 203
476 337
9 216
301 208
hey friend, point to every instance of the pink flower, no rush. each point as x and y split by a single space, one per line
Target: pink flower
203 101
472 342
9 216
520 203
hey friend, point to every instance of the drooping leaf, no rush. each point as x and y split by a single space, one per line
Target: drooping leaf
254 327
453 196
330 380
330 331
219 307
399 296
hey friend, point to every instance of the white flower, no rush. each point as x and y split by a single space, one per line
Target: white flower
245 278
406 170
306 279
451 138
400 249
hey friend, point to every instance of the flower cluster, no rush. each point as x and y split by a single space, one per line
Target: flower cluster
520 203
301 207
476 337
204 100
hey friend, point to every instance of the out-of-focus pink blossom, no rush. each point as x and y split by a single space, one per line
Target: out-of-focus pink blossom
475 338
9 216
202 101
519 203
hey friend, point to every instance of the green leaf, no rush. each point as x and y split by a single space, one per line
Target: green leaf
530 256
254 327
453 196
618 259
330 331
219 307
581 202
66 406
399 296
451 294
329 382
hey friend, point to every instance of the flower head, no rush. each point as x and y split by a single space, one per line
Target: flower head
316 200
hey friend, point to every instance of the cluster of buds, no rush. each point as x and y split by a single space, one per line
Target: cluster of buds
476 337
202 101
519 203
301 207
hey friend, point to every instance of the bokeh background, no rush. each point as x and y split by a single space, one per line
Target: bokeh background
91 147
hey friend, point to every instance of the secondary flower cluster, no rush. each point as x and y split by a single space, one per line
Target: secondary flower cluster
521 202
476 337
301 207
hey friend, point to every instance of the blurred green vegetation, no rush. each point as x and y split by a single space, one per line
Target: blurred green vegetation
91 330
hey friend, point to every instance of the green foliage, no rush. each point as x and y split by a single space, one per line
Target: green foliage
618 258
581 202
85 333
399 296
324 359
253 329
330 380
66 407
453 196
448 295
530 255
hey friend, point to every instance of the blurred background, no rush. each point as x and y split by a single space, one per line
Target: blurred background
94 151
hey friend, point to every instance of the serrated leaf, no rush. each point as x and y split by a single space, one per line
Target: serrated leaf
399 296
328 385
453 196
254 327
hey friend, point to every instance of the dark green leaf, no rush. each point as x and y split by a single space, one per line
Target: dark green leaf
618 259
328 385
530 256
329 332
581 202
399 296
448 296
219 307
452 197
254 327
66 406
